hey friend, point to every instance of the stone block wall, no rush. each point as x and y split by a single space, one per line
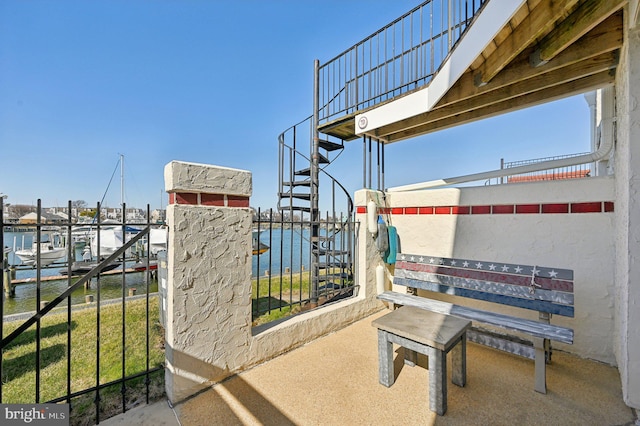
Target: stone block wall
209 335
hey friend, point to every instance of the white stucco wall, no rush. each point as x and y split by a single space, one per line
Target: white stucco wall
208 320
580 241
627 234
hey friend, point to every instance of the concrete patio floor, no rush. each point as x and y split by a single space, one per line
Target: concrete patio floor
334 381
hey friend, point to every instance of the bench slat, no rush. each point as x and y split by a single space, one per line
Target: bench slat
558 297
536 305
534 328
483 265
495 275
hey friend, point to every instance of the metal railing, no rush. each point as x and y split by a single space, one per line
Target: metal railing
93 345
402 56
283 261
570 172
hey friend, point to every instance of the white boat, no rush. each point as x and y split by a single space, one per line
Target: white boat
52 248
158 240
111 239
258 247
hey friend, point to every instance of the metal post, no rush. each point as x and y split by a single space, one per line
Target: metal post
122 188
370 164
9 290
383 188
364 161
315 219
378 162
449 26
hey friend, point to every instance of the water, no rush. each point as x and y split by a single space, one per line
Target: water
289 248
294 246
110 288
25 297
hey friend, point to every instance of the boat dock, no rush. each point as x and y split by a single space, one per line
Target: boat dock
64 277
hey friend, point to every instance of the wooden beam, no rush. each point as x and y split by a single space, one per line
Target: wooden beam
538 82
539 22
606 37
589 15
571 88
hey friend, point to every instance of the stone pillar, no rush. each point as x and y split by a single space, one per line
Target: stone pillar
627 173
208 300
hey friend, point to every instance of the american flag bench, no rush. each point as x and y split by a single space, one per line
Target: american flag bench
546 290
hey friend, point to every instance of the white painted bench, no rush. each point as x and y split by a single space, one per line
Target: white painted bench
546 290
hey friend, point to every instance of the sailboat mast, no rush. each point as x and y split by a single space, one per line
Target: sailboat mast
122 186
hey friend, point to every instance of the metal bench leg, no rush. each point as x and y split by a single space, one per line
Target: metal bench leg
410 357
438 381
459 362
385 359
541 366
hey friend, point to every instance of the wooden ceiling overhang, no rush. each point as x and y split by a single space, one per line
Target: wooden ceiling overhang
549 50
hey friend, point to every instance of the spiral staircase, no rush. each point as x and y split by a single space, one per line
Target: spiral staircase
303 160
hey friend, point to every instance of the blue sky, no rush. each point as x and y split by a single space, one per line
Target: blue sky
213 82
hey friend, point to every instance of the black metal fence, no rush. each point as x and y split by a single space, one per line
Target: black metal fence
283 262
84 337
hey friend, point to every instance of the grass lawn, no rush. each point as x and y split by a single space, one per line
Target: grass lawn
281 295
19 358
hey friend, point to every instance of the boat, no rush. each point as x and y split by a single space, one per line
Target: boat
142 266
258 247
51 247
158 240
111 239
83 267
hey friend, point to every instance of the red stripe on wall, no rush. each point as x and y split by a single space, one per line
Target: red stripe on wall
206 199
527 208
586 207
186 198
480 209
212 199
460 210
555 208
237 201
502 209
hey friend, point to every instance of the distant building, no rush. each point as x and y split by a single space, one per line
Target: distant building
48 218
158 216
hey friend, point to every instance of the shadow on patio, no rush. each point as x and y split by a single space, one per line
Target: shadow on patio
333 381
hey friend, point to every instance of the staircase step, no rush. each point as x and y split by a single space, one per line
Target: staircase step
333 253
330 286
297 195
328 277
296 208
327 265
329 146
322 159
297 183
303 172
